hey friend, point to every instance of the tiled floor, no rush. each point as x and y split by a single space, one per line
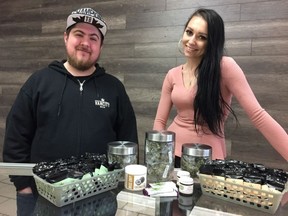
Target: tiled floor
7 197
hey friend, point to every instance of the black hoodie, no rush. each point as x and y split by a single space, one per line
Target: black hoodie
53 117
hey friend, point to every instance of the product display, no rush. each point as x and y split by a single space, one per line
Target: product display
248 184
84 166
65 181
256 175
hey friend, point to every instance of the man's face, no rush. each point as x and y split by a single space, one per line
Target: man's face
83 46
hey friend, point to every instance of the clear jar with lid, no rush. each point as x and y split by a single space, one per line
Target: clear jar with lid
123 152
159 155
193 156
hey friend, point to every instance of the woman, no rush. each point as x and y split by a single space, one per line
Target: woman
202 90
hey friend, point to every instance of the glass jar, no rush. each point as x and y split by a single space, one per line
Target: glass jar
193 156
123 152
159 155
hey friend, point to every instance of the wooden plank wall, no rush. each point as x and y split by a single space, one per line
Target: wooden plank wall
141 45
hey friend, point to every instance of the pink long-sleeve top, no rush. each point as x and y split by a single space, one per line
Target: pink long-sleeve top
233 83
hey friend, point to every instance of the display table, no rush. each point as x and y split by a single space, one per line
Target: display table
121 202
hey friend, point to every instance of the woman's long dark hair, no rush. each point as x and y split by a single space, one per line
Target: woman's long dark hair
209 105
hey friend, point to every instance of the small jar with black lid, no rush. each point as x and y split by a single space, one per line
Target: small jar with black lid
193 156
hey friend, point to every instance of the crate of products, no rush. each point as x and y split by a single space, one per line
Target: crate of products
66 181
250 185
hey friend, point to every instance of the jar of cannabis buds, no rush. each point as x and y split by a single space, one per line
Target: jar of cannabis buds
193 156
122 152
159 155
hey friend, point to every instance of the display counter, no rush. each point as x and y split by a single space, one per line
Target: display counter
122 202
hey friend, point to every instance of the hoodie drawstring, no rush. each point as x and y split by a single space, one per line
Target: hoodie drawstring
61 96
81 85
96 89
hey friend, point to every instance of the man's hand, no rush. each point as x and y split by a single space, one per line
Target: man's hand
27 190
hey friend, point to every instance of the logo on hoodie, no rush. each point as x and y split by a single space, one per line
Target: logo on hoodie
102 103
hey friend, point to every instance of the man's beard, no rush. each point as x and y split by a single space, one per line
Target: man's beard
80 65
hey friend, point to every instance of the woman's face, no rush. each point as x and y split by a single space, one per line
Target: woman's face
194 38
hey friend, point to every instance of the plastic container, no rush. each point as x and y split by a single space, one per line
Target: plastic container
193 156
181 173
263 200
186 186
78 190
135 177
159 155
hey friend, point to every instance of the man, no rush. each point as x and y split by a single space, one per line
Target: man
70 107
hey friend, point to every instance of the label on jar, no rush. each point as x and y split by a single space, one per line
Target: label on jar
185 189
166 171
135 182
170 156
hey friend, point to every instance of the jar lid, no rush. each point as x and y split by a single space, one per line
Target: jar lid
181 173
160 136
122 148
136 169
196 149
186 180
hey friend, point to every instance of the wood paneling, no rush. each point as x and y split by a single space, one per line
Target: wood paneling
266 46
273 64
142 45
138 65
257 29
168 18
174 4
268 10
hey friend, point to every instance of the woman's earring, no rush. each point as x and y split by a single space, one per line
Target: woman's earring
180 47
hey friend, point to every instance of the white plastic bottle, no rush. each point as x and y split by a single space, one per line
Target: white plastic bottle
186 186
